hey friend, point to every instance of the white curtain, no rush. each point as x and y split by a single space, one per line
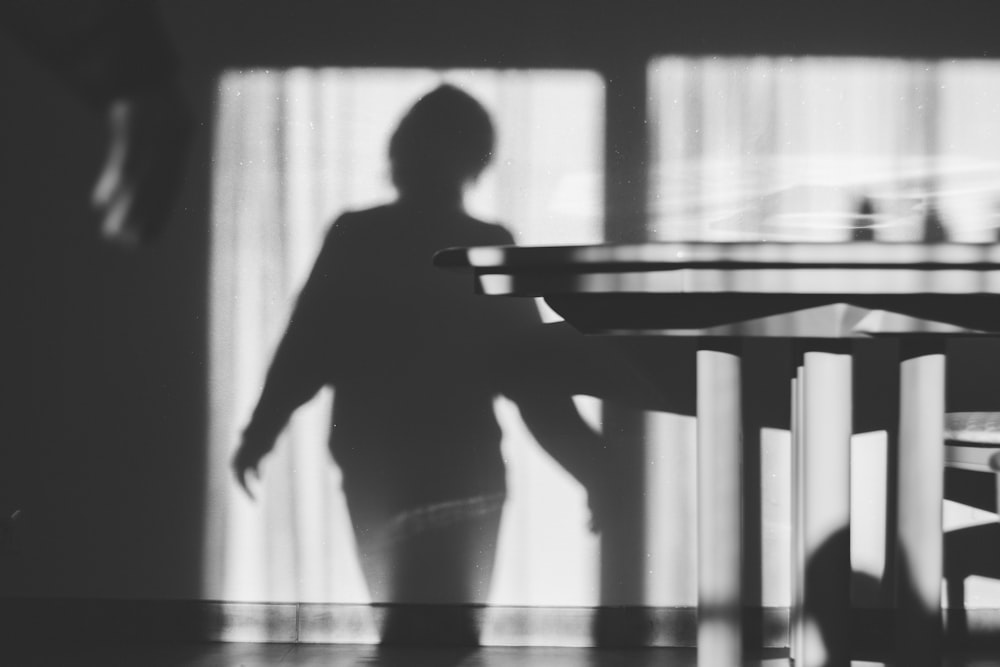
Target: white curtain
780 148
292 149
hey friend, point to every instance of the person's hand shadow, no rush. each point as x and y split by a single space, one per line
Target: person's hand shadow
246 461
543 368
601 500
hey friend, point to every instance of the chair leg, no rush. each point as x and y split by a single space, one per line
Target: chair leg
958 620
720 507
823 464
920 491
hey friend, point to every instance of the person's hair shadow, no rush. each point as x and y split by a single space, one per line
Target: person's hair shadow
416 360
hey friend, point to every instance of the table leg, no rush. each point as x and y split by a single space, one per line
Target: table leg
920 495
823 562
720 505
798 544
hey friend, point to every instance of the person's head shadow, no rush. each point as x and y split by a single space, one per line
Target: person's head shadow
442 144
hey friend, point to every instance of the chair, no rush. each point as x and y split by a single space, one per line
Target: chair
972 445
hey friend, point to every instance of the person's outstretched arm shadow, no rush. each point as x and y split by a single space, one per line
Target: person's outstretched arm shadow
547 365
557 426
300 367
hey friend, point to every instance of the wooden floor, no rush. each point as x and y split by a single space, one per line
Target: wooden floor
312 655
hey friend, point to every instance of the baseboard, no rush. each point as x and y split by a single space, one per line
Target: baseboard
182 621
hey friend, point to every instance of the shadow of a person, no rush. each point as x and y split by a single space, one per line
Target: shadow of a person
416 361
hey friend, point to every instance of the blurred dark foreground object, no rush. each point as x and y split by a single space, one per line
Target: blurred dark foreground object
149 133
115 55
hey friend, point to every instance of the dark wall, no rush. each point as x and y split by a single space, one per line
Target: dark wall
103 367
577 32
104 352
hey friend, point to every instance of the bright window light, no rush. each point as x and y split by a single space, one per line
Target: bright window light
293 148
811 148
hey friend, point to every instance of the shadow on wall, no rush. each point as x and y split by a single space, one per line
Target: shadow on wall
416 360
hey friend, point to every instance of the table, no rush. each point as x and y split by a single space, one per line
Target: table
820 296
